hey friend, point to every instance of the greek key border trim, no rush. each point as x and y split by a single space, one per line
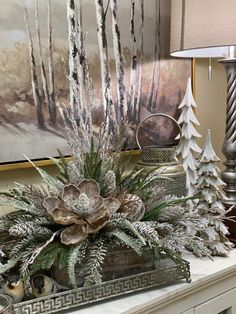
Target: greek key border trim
81 296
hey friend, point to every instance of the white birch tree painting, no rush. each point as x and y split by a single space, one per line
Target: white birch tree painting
106 61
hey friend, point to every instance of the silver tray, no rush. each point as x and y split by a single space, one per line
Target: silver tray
81 296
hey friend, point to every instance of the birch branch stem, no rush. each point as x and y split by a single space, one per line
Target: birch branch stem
158 55
42 67
110 118
34 78
133 70
73 59
121 89
50 67
87 88
137 116
156 59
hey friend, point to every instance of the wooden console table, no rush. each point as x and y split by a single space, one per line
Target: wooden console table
212 291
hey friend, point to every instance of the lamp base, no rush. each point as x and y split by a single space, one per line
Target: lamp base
231 224
229 145
232 232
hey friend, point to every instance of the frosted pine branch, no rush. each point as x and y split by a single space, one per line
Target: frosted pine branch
171 213
77 255
19 204
110 182
30 255
31 239
10 264
95 258
54 185
147 231
126 240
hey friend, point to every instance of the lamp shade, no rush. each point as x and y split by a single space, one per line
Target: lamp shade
202 28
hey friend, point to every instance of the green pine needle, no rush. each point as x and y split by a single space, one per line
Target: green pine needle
61 164
127 240
127 225
49 256
54 185
153 213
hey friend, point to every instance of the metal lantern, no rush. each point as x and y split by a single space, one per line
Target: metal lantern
164 158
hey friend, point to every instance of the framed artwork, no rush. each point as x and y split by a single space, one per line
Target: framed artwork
123 47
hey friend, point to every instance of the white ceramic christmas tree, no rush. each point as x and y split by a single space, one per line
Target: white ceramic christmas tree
210 206
188 147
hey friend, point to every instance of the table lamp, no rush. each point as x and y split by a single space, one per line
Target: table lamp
207 29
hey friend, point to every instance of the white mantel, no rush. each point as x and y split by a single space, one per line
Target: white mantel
212 290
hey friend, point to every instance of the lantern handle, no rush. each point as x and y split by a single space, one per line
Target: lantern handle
157 115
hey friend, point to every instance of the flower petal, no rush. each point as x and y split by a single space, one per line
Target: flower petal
95 228
96 202
70 193
74 234
51 203
97 219
89 187
112 205
65 217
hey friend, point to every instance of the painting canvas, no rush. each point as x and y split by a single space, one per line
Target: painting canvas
122 49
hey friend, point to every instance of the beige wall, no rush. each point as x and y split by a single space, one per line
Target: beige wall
211 99
28 175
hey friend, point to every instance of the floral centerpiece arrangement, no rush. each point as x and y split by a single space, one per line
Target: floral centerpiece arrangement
71 223
92 207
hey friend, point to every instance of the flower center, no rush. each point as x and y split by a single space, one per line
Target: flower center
82 204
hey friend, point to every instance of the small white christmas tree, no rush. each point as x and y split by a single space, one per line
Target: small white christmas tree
188 147
210 206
